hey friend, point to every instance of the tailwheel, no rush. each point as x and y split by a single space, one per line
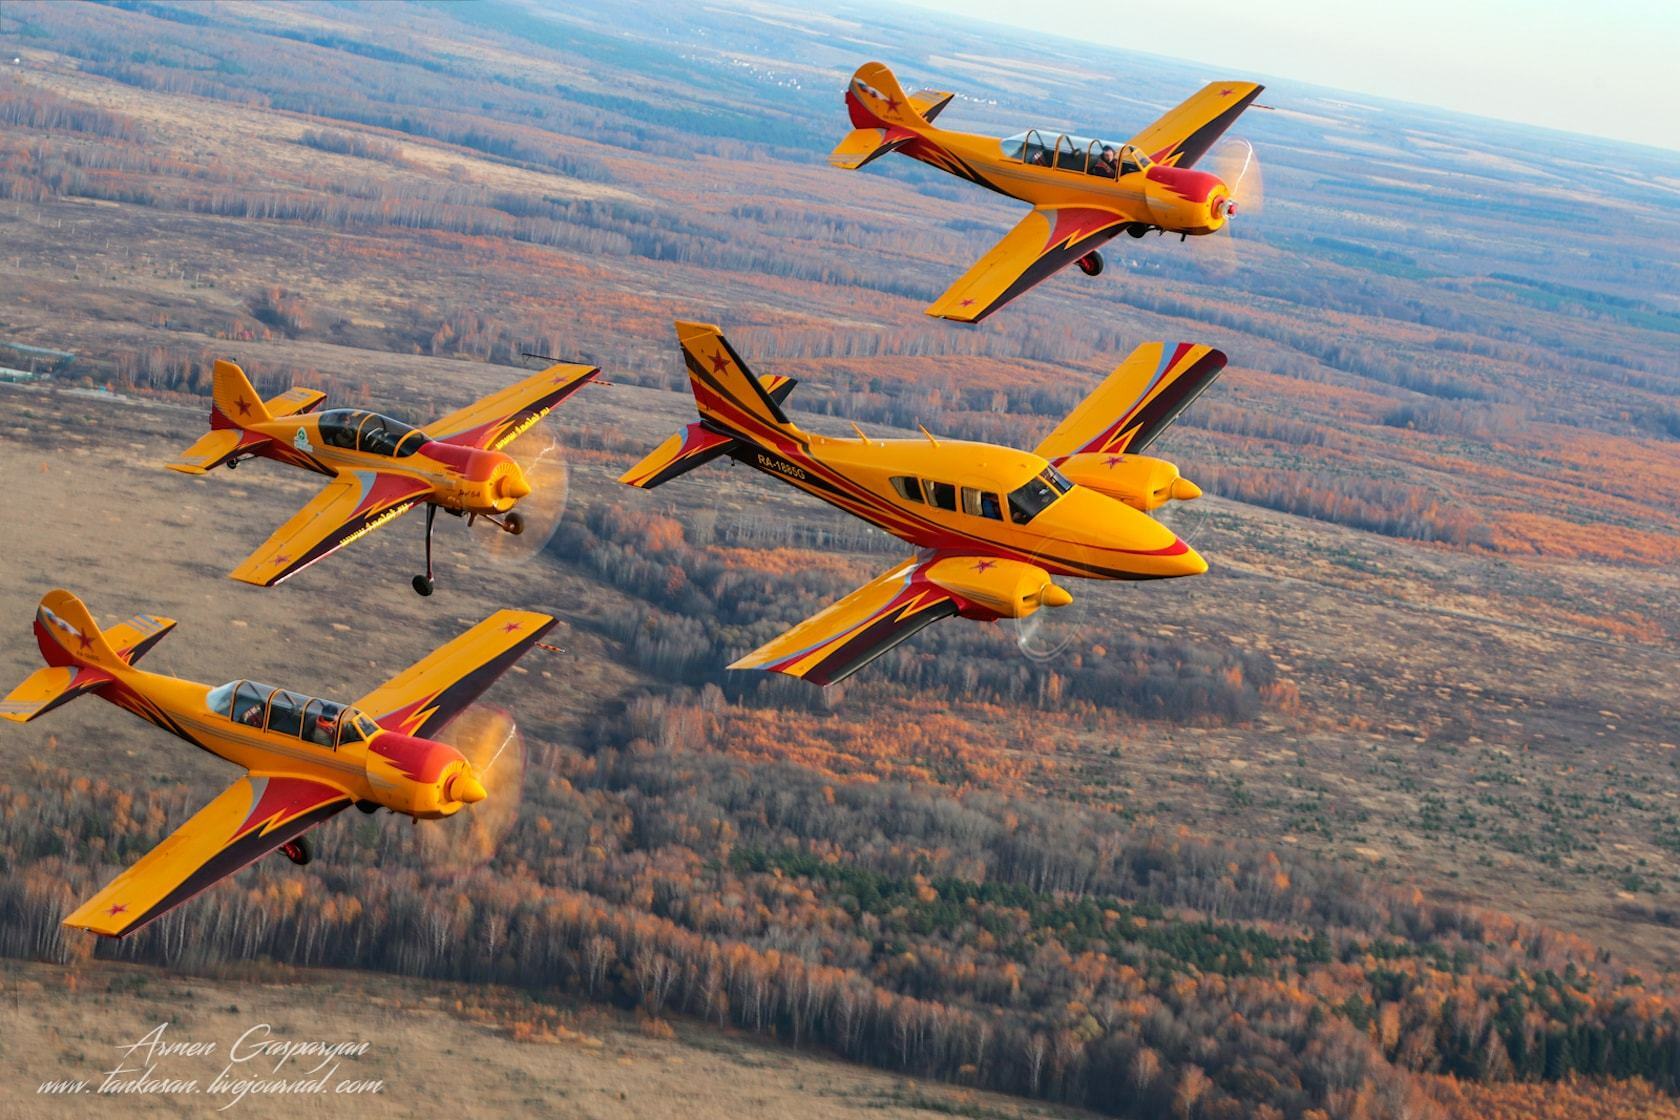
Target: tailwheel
298 851
1091 264
423 585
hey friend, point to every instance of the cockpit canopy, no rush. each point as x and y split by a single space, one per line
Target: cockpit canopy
356 430
1023 503
1106 159
262 706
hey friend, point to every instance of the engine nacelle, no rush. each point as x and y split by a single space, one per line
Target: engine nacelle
990 587
1141 482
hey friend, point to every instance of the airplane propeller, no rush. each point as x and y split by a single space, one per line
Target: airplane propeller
468 839
543 460
1238 165
1047 631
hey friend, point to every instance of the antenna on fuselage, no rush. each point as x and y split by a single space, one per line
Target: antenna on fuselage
928 434
858 430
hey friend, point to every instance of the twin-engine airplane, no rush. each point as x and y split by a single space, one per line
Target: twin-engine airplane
380 467
993 526
1082 191
305 758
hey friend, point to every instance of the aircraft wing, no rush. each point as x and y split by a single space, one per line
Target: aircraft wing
352 505
1047 239
838 641
1186 132
423 698
249 819
1136 402
492 423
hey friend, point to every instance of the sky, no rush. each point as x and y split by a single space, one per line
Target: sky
1600 67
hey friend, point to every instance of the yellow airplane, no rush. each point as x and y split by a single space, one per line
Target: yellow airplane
380 467
993 526
1083 191
305 758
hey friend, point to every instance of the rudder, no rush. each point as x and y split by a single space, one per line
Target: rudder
726 392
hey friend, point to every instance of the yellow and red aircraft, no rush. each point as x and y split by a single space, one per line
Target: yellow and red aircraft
1083 191
380 467
305 758
993 526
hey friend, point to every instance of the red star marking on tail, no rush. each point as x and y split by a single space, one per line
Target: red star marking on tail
719 362
892 106
83 641
243 405
117 908
982 565
510 628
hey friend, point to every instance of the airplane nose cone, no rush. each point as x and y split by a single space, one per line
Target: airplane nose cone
1187 563
513 484
466 788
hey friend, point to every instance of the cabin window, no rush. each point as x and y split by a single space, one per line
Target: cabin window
981 503
1057 481
1030 500
942 494
1132 160
354 727
338 427
285 712
382 435
908 488
1103 161
1070 156
320 722
249 700
220 700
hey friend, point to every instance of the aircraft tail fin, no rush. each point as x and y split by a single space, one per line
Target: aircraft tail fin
236 402
732 402
694 446
875 100
80 656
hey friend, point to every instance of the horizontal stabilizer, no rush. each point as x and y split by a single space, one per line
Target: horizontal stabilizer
45 689
214 448
864 145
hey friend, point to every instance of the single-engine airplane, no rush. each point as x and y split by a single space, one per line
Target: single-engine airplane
1082 191
380 467
992 526
305 758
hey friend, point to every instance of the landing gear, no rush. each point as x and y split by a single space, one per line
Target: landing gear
1138 229
298 851
514 523
423 585
232 463
367 806
1091 264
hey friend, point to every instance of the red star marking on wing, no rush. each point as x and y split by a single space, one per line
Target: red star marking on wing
1226 92
243 405
1112 461
117 908
719 362
282 558
965 303
510 628
982 565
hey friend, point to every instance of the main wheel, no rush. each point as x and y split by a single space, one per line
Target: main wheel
514 523
1137 229
422 585
1091 263
298 851
367 806
232 463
